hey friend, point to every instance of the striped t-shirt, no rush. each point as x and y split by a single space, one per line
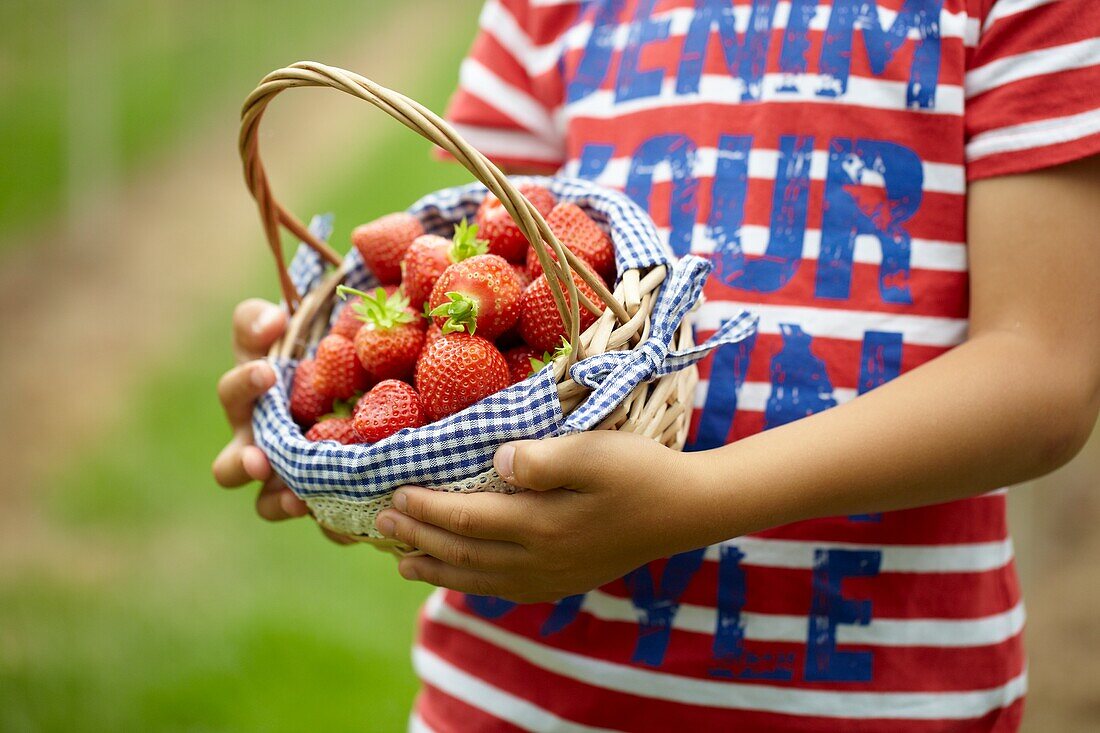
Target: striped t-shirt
819 153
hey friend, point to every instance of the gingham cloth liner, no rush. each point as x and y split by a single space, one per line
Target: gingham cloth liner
463 444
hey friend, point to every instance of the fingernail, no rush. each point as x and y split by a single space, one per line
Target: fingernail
503 459
400 501
411 574
266 319
385 526
262 376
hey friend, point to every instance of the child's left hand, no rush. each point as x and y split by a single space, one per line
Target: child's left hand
602 504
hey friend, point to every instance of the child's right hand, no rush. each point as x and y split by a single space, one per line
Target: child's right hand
256 326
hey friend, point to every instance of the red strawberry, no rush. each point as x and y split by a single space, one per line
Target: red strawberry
340 429
428 256
497 225
582 236
523 275
383 242
337 373
519 360
306 405
434 333
390 406
347 324
540 324
391 337
478 295
456 371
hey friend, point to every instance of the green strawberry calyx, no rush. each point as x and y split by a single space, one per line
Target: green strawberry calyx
461 312
537 364
465 243
340 409
379 310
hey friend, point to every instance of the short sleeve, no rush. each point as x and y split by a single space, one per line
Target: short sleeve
510 90
1033 86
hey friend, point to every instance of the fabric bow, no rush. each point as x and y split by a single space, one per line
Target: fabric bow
613 375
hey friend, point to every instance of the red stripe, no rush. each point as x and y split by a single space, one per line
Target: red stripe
935 138
1015 103
1052 24
545 88
543 23
841 356
470 109
895 596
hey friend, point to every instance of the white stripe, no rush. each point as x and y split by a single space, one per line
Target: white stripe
497 143
971 557
515 103
1008 69
753 396
724 90
417 724
763 164
924 254
732 695
929 632
469 689
837 323
1029 135
539 59
1004 8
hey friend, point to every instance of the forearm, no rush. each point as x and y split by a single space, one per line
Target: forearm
989 413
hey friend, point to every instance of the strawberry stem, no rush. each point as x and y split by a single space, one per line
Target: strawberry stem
465 243
379 310
461 313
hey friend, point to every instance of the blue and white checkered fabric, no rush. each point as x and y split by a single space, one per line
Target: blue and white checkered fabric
462 445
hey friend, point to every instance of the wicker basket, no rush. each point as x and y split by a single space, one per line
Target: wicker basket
659 409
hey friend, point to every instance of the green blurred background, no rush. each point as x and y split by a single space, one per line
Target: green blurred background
134 594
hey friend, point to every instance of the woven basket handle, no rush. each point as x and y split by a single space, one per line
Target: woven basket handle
423 121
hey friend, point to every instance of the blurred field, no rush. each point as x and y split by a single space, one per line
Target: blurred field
134 594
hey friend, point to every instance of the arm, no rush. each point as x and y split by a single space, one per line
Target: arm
1015 401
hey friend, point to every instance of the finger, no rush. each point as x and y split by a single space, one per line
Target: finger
239 388
545 464
228 469
453 549
255 463
272 504
482 515
257 324
438 573
337 537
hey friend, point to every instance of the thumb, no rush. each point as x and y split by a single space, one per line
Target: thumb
539 464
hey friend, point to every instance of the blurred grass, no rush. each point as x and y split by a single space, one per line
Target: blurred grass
166 605
90 89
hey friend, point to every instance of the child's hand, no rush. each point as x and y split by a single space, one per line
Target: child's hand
626 500
256 326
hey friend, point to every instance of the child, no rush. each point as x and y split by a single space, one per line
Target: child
903 192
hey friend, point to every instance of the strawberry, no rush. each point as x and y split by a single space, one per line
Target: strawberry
340 429
520 361
434 333
337 373
540 324
497 225
478 295
348 322
428 256
456 371
383 243
523 275
524 361
306 405
582 236
391 337
390 406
